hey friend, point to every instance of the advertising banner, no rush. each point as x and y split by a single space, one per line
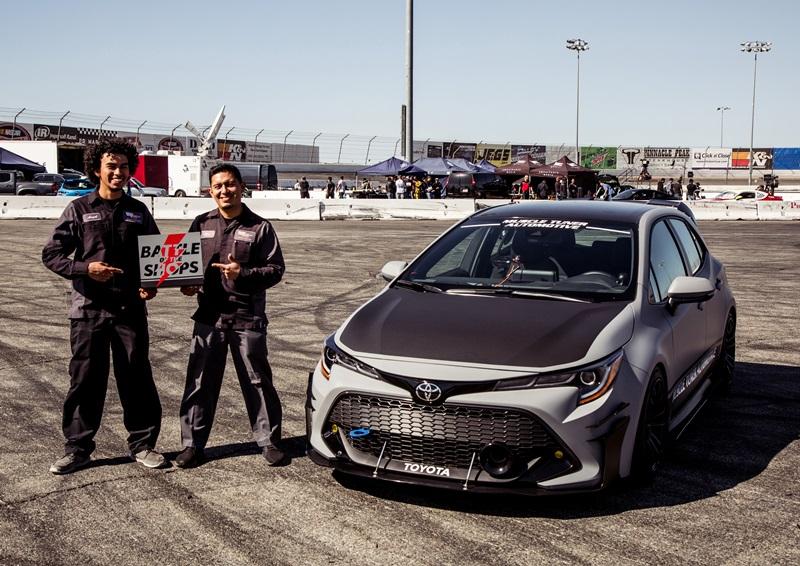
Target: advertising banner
231 150
170 260
433 150
711 158
459 149
630 157
71 135
537 152
170 144
762 158
495 154
666 157
259 151
599 157
10 131
786 158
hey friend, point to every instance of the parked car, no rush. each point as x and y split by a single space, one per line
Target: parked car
76 187
475 185
137 189
644 194
747 194
43 184
537 347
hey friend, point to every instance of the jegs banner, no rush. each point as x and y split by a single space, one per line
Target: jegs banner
170 260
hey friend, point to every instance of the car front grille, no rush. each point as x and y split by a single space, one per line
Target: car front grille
442 435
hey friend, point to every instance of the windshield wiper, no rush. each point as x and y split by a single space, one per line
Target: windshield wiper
417 286
516 293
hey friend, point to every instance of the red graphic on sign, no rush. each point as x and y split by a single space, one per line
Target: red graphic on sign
170 256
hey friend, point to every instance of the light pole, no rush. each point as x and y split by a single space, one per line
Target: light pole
313 145
409 156
283 155
754 47
721 110
60 120
103 123
577 45
14 125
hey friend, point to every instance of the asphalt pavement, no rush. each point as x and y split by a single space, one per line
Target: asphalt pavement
728 493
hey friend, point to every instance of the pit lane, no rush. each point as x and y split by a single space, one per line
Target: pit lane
728 492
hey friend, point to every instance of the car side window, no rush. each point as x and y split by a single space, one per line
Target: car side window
665 258
694 254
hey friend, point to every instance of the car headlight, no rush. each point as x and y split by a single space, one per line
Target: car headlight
592 381
331 354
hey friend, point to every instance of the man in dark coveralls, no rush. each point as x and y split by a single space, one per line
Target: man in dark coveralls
242 259
95 245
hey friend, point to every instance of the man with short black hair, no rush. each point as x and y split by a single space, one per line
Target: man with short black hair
242 259
95 246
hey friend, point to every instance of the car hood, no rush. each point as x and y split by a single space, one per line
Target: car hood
511 333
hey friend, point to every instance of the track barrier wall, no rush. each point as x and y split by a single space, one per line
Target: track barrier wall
172 208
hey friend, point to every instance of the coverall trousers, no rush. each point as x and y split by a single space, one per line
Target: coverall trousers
207 358
128 340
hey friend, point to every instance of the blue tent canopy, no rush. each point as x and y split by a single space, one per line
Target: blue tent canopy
391 166
486 166
10 160
436 166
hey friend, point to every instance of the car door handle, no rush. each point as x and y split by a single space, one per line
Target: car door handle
718 284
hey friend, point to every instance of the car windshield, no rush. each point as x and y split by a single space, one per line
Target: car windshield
559 257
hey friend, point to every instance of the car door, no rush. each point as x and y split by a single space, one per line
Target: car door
688 321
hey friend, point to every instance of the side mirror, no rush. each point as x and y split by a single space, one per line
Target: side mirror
688 290
392 269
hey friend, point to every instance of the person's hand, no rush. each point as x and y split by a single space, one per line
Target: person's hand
148 293
101 271
230 270
190 290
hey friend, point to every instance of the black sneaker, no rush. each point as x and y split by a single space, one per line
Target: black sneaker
189 457
273 455
69 463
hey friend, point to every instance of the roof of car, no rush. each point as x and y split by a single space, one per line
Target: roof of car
629 212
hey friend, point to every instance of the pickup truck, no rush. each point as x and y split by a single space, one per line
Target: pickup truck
9 181
43 184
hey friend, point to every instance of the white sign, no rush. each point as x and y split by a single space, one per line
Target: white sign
711 157
170 260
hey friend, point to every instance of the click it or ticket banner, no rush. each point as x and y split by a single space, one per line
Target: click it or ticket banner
170 260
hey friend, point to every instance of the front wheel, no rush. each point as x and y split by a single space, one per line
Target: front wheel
726 363
652 432
180 193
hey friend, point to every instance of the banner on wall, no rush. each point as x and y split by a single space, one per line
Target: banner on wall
762 158
71 135
786 158
666 157
711 157
459 149
630 157
434 150
599 157
11 131
495 154
537 152
231 150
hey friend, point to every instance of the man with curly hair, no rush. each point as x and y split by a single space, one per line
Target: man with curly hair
95 246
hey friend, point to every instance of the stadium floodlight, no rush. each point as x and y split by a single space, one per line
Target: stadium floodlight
754 47
577 45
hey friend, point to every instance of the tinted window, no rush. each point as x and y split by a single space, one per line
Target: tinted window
694 254
665 259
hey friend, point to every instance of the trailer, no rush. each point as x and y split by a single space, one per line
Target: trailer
188 175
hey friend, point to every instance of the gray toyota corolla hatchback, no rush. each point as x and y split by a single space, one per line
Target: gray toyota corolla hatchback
533 347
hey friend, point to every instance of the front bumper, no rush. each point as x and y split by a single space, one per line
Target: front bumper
555 447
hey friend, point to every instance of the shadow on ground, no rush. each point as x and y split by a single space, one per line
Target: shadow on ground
732 441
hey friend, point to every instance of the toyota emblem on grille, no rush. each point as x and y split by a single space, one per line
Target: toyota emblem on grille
428 392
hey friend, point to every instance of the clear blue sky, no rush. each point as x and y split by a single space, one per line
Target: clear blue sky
493 71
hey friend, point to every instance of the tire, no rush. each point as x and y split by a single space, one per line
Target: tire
179 193
725 366
652 431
